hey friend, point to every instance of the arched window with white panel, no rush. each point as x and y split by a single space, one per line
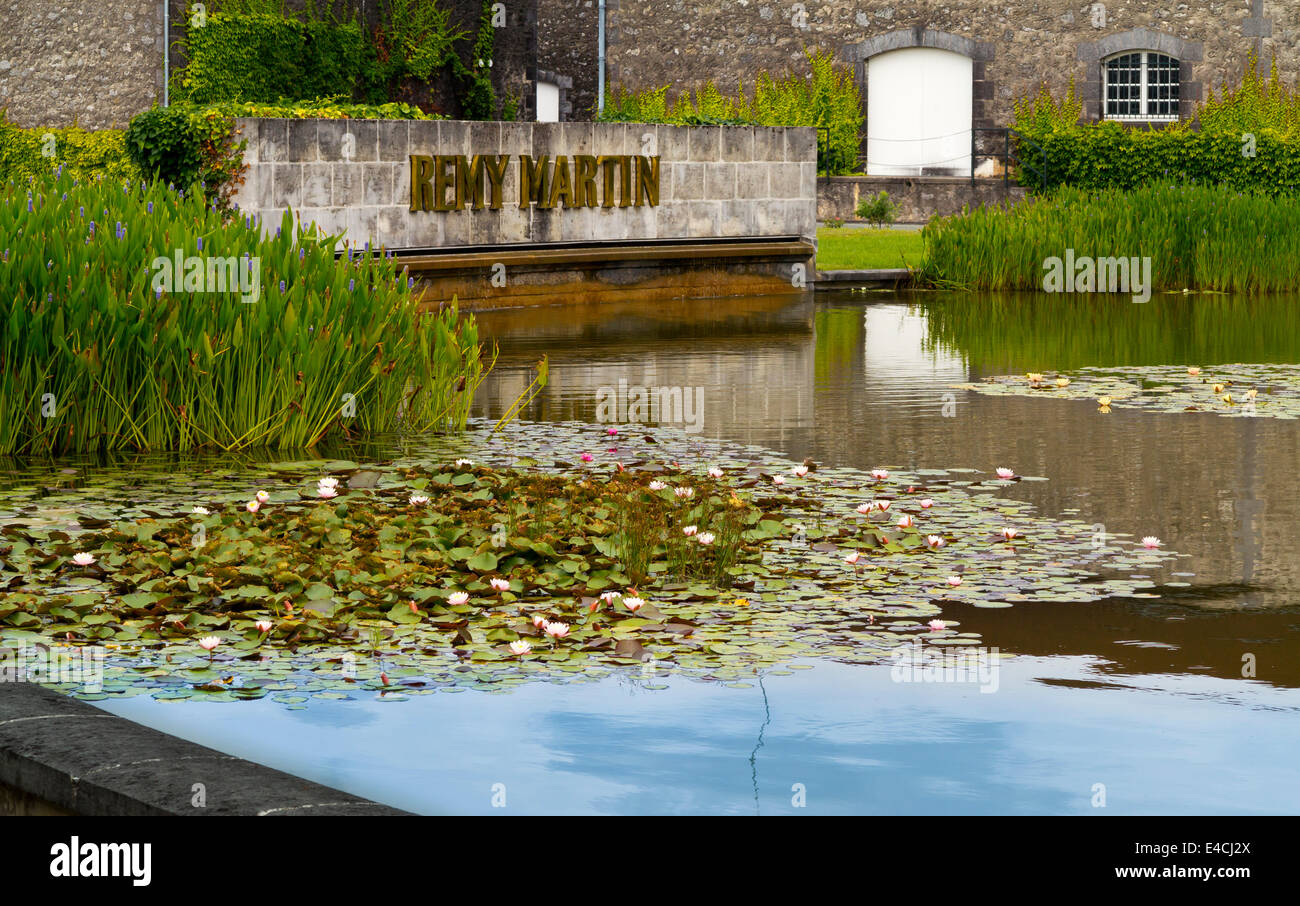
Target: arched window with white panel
1140 86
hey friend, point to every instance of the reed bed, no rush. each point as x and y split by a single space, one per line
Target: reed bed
1197 237
95 356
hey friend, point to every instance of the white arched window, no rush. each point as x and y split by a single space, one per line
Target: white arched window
919 113
1141 86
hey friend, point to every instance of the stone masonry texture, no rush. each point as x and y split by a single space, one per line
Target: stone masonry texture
1022 44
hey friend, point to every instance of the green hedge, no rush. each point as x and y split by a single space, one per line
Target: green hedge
80 153
827 99
264 57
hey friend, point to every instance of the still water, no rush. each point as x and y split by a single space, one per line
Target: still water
1119 707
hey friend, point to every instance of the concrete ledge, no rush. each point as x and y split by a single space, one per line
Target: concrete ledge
885 278
62 756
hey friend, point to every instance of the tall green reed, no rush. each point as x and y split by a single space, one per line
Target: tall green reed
94 355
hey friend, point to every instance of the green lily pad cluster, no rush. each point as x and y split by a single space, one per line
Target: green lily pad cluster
371 591
1234 391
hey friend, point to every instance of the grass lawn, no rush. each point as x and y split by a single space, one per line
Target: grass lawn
851 249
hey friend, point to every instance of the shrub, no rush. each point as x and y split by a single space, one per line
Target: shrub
827 99
78 152
878 209
100 352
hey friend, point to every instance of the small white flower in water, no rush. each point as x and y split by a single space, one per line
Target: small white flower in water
954 581
538 621
263 496
937 625
934 541
880 474
853 558
689 530
500 584
684 493
705 538
253 506
83 559
927 503
464 462
201 511
327 492
633 604
520 648
1150 542
778 479
328 482
882 505
905 522
715 472
609 596
264 626
209 643
1006 473
418 500
457 598
556 630
657 485
865 508
799 471
1009 533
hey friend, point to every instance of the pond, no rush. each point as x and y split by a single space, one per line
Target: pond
1173 696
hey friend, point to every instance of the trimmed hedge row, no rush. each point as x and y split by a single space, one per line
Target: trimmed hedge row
23 152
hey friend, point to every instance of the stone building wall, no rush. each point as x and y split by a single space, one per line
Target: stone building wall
1026 44
567 46
65 62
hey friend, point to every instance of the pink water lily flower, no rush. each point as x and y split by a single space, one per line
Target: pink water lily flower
954 581
880 474
556 630
657 485
418 500
328 481
905 522
705 538
689 530
934 541
799 471
1193 371
684 493
853 558
456 598
611 431
1009 533
633 604
326 493
201 511
937 625
263 496
715 472
520 648
866 508
587 457
253 506
1006 473
83 559
926 503
778 479
1150 542
538 621
882 505
209 643
264 626
609 596
500 584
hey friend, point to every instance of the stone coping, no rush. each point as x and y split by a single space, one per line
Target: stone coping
77 758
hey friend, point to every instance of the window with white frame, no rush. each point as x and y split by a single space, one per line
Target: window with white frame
1141 86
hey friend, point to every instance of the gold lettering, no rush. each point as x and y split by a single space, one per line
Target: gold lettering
562 189
608 163
495 165
442 180
586 180
469 179
532 181
421 191
625 181
647 180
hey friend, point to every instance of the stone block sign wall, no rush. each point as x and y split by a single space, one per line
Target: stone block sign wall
354 177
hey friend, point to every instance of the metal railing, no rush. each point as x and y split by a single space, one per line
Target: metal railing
1012 152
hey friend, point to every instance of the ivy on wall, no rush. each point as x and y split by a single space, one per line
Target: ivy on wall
25 153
